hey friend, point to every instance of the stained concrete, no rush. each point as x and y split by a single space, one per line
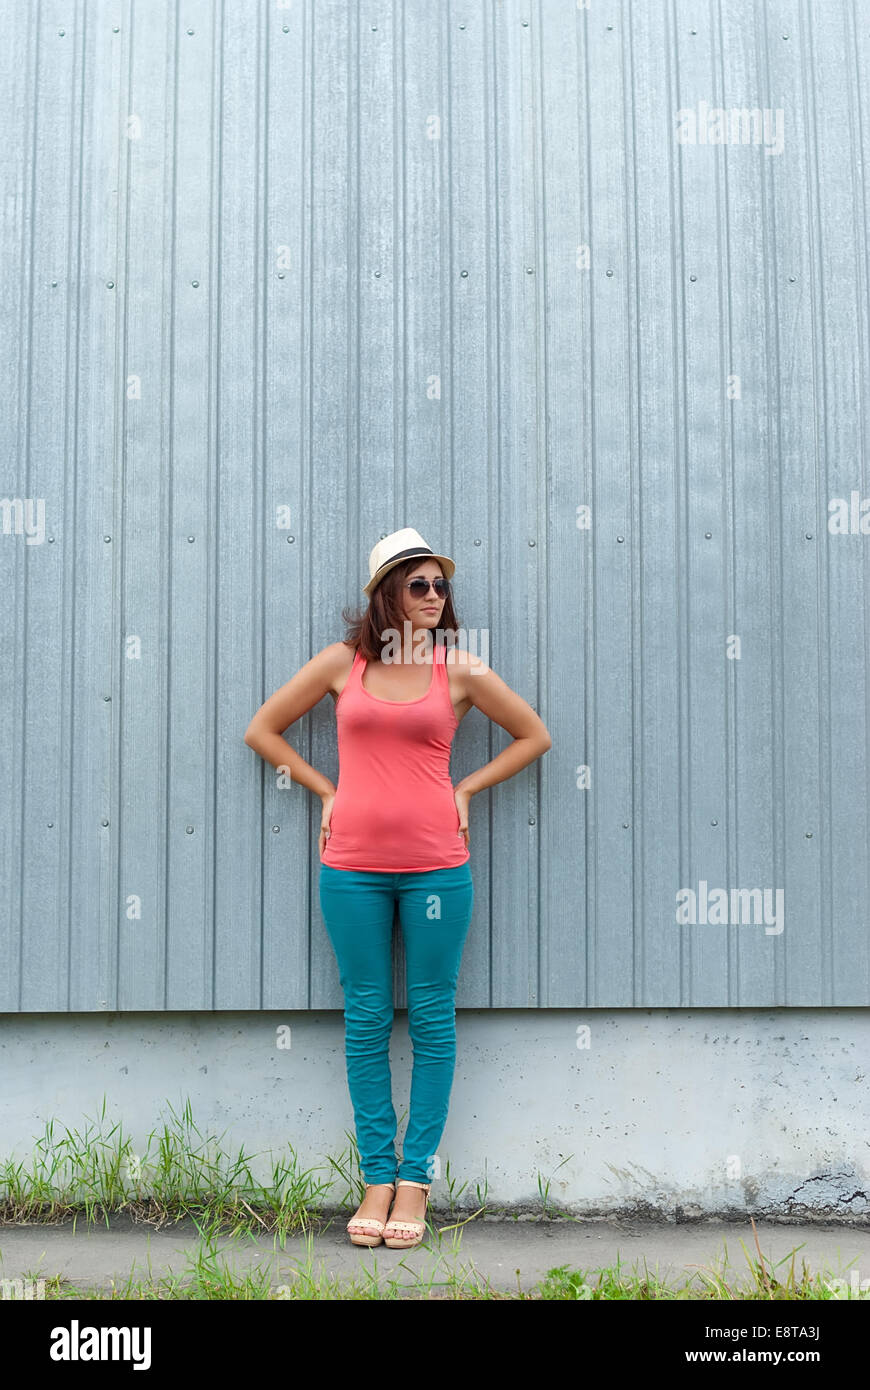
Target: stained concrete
629 1112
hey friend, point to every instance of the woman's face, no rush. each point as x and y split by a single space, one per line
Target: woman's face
422 612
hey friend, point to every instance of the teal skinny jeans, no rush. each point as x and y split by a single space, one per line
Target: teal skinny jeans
435 909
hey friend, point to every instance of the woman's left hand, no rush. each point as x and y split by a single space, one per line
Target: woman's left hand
463 800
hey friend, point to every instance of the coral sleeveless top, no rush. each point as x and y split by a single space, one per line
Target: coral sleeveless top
394 810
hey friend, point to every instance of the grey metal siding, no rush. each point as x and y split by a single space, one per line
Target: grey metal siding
278 280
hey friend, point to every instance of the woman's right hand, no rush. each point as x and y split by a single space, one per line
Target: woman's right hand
325 818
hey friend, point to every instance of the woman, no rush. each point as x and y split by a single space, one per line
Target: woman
396 829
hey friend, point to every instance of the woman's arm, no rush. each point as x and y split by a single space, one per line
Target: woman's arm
489 693
314 680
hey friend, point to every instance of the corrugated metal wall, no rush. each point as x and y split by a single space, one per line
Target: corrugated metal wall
278 279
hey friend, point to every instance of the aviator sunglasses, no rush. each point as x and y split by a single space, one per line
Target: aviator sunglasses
419 587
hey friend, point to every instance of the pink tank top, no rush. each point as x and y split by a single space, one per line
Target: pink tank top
394 810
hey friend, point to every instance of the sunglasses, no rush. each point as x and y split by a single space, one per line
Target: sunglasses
420 587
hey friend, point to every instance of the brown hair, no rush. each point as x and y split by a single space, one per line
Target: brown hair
384 611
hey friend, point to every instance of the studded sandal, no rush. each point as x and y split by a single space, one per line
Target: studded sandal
366 1230
394 1236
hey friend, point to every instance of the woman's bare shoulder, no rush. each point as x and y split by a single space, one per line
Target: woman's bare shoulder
336 659
462 658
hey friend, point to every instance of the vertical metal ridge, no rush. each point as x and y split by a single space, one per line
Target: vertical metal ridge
634 515
492 473
683 630
354 262
858 144
115 673
537 645
19 568
590 691
169 228
823 700
398 113
777 552
729 555
66 806
306 372
213 505
262 281
531 260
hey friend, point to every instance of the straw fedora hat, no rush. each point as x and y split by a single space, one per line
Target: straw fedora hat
401 545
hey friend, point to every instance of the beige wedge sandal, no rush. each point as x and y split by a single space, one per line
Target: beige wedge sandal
396 1241
367 1230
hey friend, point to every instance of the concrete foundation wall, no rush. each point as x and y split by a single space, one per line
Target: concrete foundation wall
685 1113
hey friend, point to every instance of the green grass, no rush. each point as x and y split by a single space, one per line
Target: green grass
183 1175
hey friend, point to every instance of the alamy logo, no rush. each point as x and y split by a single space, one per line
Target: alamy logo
75 1343
21 508
22 1288
724 908
741 125
849 518
855 1288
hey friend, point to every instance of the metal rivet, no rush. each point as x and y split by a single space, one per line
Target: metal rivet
53 284
530 270
531 542
190 31
191 539
809 834
608 272
276 829
106 698
693 278
107 539
809 535
115 28
477 542
377 275
188 830
625 825
708 534
531 820
714 822
462 26
620 539
280 275
51 540
195 284
110 284
104 822
791 279
464 274
291 539
61 32
51 825
286 28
